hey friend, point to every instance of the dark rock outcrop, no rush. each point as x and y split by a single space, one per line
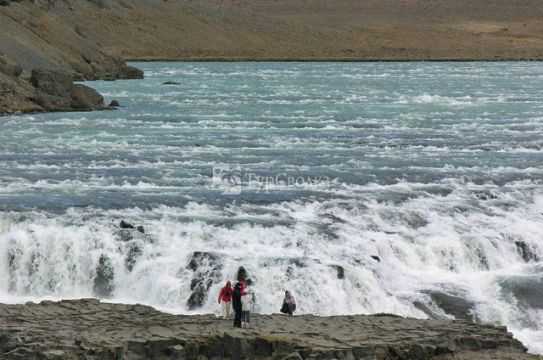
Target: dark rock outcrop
339 270
428 310
129 72
88 329
103 281
114 103
38 39
55 91
485 195
14 254
133 254
206 268
86 98
125 225
453 305
133 239
526 251
52 82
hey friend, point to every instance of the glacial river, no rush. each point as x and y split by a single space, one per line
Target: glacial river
301 172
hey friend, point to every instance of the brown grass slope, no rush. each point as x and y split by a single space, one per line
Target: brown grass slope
90 38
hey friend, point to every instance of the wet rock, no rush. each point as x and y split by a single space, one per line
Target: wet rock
427 310
134 252
126 232
103 281
339 270
125 225
453 305
14 254
207 271
485 195
114 103
171 83
526 252
199 288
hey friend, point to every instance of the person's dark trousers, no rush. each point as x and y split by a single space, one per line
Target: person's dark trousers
291 308
237 318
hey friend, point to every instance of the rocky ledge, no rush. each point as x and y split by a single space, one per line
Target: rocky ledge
89 329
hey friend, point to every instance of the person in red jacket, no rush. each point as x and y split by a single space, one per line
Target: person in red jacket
225 298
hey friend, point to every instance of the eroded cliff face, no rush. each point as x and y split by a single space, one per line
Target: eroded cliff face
88 329
42 36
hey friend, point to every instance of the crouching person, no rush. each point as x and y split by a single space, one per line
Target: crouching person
289 304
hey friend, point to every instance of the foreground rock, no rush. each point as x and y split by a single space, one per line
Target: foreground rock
88 329
55 91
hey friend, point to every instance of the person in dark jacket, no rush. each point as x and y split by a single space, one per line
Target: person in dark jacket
236 304
289 304
225 298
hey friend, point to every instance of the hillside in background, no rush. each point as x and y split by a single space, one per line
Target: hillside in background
91 39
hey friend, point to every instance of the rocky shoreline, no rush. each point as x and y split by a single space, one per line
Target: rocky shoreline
90 329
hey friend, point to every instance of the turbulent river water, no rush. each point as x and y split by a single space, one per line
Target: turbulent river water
301 172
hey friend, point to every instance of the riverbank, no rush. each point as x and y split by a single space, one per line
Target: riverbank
87 328
90 40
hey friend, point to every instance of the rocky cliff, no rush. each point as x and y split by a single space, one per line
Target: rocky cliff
42 52
88 329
